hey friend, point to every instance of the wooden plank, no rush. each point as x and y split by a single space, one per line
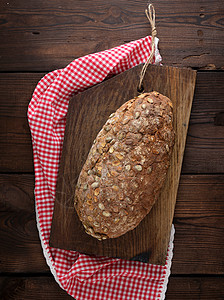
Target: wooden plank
199 222
16 146
40 36
184 288
204 151
87 113
194 288
31 288
204 148
20 249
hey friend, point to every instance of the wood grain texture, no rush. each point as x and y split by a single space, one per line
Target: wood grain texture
44 36
204 151
206 128
194 288
25 288
199 223
87 113
198 219
20 249
184 288
16 146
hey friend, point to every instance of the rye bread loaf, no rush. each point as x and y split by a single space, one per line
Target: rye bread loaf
126 167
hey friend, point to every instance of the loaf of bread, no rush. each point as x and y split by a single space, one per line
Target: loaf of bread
126 167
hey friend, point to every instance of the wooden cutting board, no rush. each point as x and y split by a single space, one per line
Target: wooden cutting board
87 113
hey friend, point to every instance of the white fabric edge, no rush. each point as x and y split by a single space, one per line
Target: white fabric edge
169 262
45 252
158 57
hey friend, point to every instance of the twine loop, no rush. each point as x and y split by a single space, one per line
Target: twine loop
150 14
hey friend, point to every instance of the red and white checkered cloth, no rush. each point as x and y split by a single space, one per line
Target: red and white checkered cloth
82 276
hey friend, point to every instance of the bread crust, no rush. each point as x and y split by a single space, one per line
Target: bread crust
126 167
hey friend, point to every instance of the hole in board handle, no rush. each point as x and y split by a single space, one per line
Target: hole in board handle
140 89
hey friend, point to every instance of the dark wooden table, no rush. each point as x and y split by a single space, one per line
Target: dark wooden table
38 36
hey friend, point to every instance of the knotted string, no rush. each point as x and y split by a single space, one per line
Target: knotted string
150 13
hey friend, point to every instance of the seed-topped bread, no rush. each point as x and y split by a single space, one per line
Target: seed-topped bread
126 167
